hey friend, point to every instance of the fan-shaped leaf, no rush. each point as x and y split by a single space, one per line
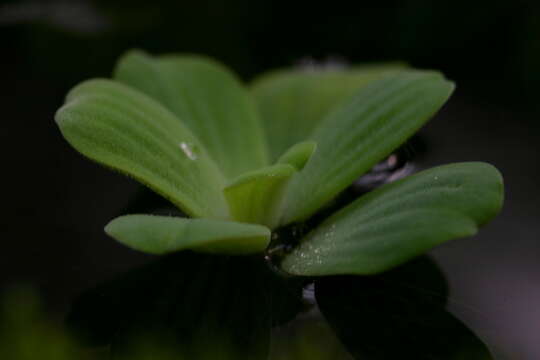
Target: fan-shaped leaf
209 99
293 101
361 132
400 220
126 130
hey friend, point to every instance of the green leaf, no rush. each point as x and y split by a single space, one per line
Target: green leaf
256 197
400 220
293 101
299 154
165 234
361 132
126 130
208 99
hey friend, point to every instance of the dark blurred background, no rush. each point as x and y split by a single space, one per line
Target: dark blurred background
55 203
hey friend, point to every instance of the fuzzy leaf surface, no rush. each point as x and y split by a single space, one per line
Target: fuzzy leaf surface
124 129
361 132
209 99
293 101
165 234
400 221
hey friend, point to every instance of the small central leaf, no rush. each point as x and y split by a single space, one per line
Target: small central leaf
298 155
256 197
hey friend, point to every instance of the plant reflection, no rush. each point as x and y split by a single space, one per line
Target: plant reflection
400 314
216 307
227 305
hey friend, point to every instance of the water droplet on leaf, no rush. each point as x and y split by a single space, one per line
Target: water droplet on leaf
188 150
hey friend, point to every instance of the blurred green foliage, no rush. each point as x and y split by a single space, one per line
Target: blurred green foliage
27 333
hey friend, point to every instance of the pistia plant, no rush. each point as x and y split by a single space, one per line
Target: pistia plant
242 163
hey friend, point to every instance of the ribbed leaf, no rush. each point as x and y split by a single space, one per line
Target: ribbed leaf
400 220
299 154
209 99
293 101
126 130
361 132
166 234
255 197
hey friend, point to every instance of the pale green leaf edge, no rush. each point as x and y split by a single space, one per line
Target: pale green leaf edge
165 234
299 154
257 196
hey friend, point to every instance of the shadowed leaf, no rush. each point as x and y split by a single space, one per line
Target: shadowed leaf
293 101
195 304
400 314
